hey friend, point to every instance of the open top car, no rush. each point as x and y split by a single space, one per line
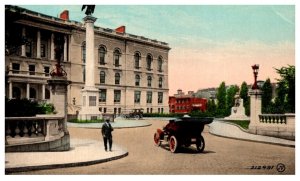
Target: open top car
183 131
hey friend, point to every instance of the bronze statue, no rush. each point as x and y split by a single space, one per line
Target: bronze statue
89 9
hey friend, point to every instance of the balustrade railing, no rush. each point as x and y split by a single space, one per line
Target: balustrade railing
273 118
21 130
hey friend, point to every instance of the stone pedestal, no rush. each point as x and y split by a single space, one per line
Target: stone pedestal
90 94
255 109
238 111
59 98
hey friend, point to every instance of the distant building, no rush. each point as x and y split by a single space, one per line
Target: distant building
181 103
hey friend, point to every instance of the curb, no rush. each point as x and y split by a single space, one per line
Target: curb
63 165
244 139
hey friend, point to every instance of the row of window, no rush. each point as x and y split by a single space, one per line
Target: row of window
137 96
16 93
137 79
118 110
31 69
116 58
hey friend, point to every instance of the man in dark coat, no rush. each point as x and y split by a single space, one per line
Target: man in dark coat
106 133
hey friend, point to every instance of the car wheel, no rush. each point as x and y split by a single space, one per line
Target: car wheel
173 144
137 117
157 139
200 144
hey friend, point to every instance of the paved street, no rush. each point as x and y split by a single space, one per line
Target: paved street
221 156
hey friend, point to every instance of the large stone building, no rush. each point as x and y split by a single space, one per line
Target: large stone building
131 71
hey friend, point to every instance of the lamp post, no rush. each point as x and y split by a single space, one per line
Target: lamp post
255 68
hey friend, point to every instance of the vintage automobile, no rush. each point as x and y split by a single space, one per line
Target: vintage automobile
182 132
134 113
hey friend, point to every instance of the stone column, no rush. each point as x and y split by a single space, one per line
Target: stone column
27 90
38 44
52 47
255 109
23 47
43 91
65 48
10 90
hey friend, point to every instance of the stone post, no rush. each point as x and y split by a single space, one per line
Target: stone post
255 109
59 98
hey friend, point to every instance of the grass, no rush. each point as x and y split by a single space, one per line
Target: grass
241 123
86 121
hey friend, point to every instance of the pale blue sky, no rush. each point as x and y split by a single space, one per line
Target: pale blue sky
209 43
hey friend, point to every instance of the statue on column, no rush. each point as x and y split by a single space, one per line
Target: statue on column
89 9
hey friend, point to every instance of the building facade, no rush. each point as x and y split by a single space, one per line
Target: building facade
186 103
131 71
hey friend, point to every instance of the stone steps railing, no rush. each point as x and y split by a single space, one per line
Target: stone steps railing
24 130
273 118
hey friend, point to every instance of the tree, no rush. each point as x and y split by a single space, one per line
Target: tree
266 98
230 97
245 97
211 107
286 88
221 98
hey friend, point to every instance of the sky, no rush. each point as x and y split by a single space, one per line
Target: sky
209 43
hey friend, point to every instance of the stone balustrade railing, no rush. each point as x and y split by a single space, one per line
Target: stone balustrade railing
273 118
24 130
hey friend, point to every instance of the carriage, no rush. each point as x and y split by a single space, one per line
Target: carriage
183 131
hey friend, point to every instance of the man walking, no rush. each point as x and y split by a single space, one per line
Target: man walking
106 133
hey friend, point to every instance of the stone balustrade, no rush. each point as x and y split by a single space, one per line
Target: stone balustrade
24 130
272 118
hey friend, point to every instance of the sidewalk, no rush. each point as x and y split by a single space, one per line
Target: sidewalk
220 128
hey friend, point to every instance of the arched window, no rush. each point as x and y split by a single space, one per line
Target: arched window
83 51
137 80
137 58
102 77
149 80
32 93
160 81
102 52
47 94
149 62
160 62
117 78
16 93
117 55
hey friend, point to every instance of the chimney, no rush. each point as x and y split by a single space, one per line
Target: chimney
121 29
64 15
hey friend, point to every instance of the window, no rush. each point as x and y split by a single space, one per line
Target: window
102 95
46 71
160 62
31 69
158 110
16 93
28 49
160 97
104 110
117 96
149 97
43 50
137 60
160 80
119 110
102 77
162 110
47 94
149 80
92 100
83 52
83 73
137 80
149 61
102 53
16 68
137 96
117 78
32 93
117 55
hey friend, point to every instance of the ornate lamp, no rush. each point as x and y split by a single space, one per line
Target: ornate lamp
255 68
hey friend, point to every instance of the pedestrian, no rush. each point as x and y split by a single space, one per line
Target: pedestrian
106 133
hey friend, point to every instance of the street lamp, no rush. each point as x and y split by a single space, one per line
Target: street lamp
255 68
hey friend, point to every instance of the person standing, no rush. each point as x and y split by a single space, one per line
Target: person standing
106 133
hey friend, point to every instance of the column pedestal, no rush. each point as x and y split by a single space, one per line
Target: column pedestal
255 109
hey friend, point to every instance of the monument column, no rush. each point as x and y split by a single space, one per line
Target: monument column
90 94
255 108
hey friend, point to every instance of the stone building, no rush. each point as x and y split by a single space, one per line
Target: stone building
131 71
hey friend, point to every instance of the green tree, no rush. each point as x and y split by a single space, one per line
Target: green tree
245 97
266 98
221 98
286 88
230 100
211 107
